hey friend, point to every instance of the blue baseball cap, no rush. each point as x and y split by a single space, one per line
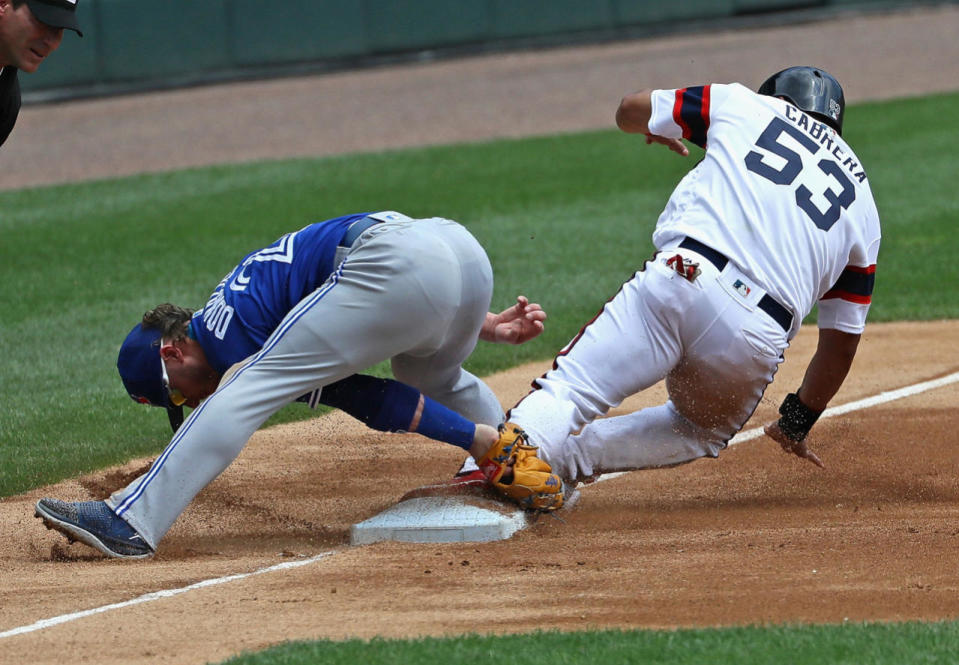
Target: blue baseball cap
141 370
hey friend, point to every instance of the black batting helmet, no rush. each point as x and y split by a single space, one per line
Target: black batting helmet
813 90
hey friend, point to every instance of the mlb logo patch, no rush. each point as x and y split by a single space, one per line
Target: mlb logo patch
742 288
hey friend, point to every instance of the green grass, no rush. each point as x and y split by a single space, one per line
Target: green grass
565 220
915 192
852 644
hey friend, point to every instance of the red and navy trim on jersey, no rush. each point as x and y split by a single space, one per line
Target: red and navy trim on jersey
691 113
854 285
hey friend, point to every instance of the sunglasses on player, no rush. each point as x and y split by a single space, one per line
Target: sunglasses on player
176 397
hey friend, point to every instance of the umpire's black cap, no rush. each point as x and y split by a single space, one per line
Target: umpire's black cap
56 13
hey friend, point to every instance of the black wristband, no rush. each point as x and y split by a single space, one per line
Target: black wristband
796 418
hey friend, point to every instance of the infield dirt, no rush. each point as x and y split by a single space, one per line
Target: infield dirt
753 537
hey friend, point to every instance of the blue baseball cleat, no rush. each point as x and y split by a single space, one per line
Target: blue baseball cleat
95 524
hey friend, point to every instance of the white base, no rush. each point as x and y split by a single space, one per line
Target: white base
440 519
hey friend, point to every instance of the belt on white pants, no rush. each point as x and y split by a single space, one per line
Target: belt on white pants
767 303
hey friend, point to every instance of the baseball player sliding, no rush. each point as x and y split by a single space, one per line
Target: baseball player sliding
778 216
298 320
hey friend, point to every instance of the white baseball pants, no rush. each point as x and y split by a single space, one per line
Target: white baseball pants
706 337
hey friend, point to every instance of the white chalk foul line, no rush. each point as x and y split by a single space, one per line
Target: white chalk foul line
748 435
864 403
157 595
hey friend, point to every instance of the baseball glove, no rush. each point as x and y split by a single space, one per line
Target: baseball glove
529 481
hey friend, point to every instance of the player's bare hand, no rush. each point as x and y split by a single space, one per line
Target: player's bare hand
675 145
520 323
797 448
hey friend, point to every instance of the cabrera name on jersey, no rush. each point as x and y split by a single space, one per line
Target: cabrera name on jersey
778 192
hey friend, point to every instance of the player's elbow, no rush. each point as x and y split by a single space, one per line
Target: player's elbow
621 118
634 111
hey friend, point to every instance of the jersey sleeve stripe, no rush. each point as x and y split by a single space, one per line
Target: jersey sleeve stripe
855 284
704 110
868 270
848 297
691 113
677 111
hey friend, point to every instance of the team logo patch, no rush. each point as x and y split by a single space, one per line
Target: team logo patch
834 109
686 267
742 288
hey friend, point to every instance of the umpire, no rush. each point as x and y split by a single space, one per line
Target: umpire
30 30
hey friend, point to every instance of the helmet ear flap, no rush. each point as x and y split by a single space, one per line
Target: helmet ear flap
810 89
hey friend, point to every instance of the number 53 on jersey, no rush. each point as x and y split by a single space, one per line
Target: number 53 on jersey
781 164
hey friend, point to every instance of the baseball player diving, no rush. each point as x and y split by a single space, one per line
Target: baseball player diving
777 217
296 321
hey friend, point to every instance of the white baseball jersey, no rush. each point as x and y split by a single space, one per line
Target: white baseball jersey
777 216
818 244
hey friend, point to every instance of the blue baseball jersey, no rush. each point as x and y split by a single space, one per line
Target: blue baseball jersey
249 303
